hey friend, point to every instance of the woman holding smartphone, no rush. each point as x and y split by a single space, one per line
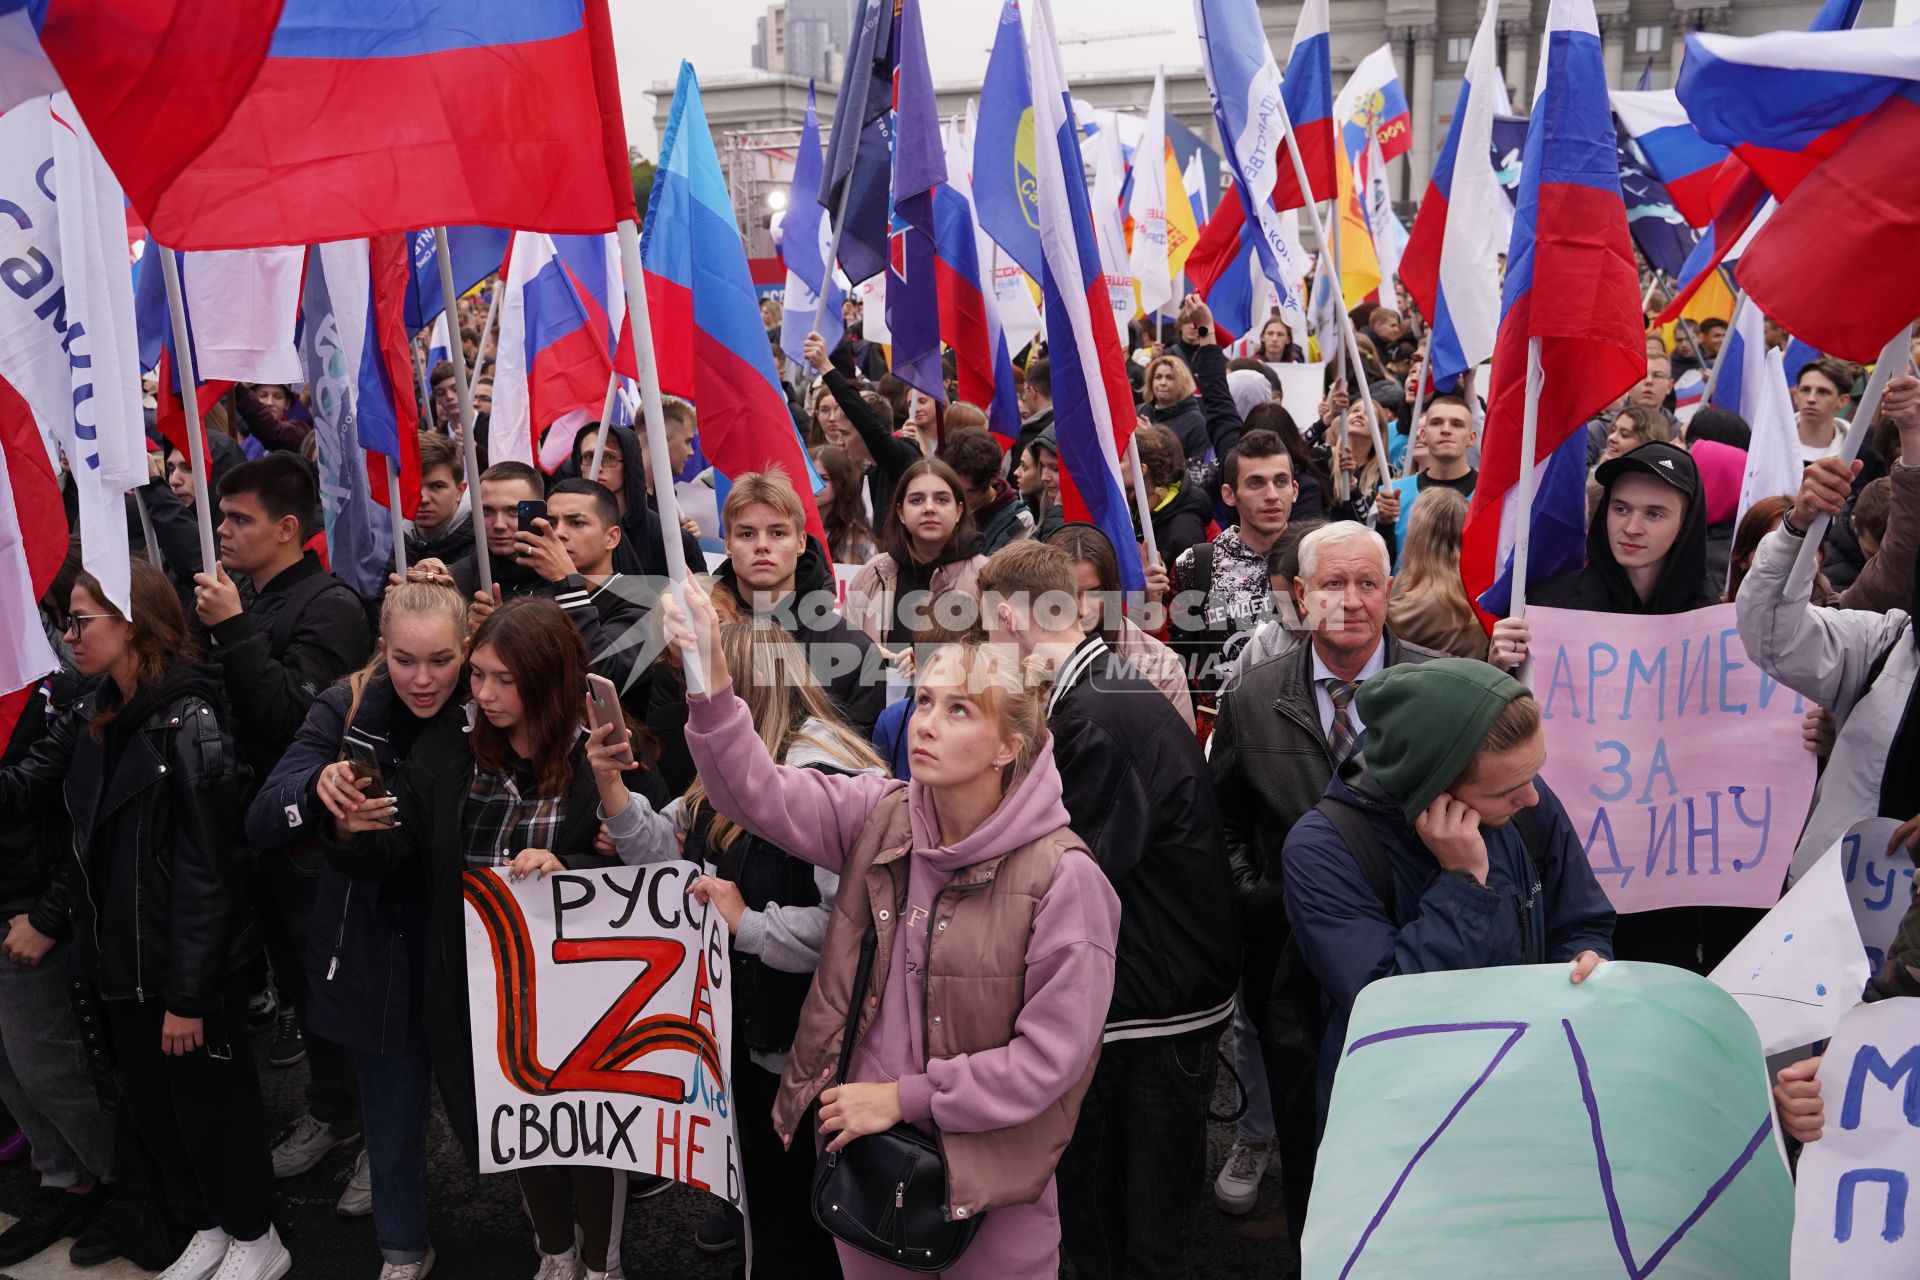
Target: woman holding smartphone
527 789
994 932
367 962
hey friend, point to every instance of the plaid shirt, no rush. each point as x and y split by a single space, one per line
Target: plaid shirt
504 814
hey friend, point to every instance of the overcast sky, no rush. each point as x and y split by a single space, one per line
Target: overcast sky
653 35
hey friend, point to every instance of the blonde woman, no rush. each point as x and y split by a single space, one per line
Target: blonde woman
1173 401
987 1036
1429 606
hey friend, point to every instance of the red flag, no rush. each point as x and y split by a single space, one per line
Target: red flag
42 518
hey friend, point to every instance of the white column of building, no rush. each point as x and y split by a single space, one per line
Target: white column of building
1515 34
1613 48
1425 125
1682 23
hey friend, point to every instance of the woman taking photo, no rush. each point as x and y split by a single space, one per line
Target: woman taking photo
927 548
987 1038
366 966
526 789
162 923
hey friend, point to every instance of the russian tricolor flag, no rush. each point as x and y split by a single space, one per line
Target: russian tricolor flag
969 309
1093 401
1826 121
1685 162
553 365
1451 266
708 340
154 324
387 416
233 125
1570 249
919 170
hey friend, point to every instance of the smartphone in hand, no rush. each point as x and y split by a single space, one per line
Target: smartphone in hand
364 767
603 708
529 512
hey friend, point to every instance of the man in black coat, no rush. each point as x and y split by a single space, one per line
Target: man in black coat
295 631
1136 788
1283 727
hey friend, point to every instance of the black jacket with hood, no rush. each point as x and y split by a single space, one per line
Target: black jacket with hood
1183 522
158 887
642 550
1602 585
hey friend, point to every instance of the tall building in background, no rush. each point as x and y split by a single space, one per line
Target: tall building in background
804 38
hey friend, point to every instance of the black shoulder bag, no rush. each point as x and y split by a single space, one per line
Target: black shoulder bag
886 1194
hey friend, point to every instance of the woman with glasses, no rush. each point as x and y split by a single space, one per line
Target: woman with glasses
158 889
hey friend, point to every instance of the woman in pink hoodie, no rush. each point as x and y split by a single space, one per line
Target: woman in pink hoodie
996 934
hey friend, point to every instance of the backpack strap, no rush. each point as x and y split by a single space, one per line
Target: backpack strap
304 593
1527 822
1879 663
1363 844
1202 567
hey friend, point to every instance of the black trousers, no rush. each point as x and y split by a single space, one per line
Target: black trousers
199 1113
1131 1180
283 895
787 1241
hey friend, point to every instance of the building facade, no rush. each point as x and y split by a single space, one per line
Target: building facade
804 38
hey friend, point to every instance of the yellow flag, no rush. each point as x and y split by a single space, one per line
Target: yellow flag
1359 266
1712 300
1181 228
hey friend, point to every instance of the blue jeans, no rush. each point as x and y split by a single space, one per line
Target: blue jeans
394 1101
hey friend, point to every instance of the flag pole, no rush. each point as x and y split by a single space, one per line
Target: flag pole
1339 295
1419 407
839 227
1893 356
1733 327
666 502
1653 282
1140 500
399 520
146 531
190 404
468 446
1523 488
606 428
486 326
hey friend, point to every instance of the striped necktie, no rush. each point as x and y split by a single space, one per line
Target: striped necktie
1341 737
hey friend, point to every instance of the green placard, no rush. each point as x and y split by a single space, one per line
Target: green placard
1504 1122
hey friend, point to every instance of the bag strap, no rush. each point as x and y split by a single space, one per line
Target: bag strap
1363 844
1528 823
869 944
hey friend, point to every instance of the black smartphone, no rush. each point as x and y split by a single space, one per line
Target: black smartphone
529 512
360 760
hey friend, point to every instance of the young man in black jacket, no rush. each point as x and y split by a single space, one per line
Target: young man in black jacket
295 631
573 552
443 529
1136 788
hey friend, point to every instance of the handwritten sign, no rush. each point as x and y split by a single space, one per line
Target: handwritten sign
1854 1213
1879 884
602 1018
1802 967
1677 758
1506 1123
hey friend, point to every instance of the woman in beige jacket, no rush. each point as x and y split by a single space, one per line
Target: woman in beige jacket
928 547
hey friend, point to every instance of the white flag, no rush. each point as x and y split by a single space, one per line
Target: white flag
243 303
67 340
1773 452
1110 232
1148 205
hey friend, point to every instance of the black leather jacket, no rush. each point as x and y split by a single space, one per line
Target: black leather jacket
157 887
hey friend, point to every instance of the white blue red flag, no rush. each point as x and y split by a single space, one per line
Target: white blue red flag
1683 161
334 117
969 308
593 264
804 243
552 364
1825 120
1451 266
1570 252
708 339
1093 401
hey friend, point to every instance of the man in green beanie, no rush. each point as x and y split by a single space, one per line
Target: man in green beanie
1437 847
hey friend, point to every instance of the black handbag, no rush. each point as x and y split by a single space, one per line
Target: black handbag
886 1193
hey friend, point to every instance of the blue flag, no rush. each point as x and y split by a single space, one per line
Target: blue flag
803 248
1657 227
477 253
1004 184
857 161
919 167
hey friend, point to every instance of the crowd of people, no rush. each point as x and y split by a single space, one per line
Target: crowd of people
1092 857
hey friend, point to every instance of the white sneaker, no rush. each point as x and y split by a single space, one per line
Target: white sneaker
201 1258
409 1270
1238 1185
615 1273
357 1200
561 1266
262 1259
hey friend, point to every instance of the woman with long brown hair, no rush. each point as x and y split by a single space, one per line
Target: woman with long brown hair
161 898
843 506
527 789
928 547
1429 606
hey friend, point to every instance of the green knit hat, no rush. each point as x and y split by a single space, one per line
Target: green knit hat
1425 721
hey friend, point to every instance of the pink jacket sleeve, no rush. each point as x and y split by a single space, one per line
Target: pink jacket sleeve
810 814
1069 986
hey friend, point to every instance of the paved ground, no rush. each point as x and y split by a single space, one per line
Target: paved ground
480 1233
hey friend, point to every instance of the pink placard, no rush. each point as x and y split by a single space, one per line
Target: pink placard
1678 760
